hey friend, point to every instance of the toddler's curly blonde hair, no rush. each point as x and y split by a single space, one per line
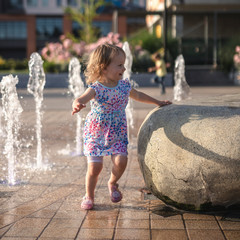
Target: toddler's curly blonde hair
99 59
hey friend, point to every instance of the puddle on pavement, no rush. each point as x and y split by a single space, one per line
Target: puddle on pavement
165 211
6 194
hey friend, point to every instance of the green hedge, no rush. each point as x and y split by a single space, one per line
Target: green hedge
226 53
12 64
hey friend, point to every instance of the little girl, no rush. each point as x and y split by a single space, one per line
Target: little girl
105 131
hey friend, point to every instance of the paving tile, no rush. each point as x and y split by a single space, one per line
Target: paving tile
60 232
27 227
201 224
232 235
133 206
44 213
87 234
24 231
64 223
3 230
70 214
127 214
169 234
232 215
229 225
138 234
6 219
169 217
99 223
22 210
30 192
67 205
132 195
133 223
166 224
17 238
206 234
196 216
105 214
53 238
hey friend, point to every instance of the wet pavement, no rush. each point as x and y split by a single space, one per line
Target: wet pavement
45 202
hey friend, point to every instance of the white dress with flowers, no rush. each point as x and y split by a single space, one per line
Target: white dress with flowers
105 130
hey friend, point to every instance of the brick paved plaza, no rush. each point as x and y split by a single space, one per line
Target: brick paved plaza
45 204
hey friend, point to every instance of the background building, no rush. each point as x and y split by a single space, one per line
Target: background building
202 27
27 25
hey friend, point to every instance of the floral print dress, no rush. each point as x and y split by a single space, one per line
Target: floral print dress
105 130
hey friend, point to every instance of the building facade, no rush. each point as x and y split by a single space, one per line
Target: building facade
27 25
201 26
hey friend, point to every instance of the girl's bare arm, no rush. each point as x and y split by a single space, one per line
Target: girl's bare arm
142 97
80 103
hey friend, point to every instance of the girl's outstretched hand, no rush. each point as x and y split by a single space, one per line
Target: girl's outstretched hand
76 106
164 103
80 103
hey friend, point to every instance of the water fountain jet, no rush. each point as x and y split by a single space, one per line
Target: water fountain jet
11 111
76 87
35 86
181 88
127 74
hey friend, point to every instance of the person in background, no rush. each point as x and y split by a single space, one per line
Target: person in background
161 72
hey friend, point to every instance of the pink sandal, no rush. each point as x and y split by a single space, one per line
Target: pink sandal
116 195
87 203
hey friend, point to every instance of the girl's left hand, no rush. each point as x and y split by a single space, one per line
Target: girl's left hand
164 103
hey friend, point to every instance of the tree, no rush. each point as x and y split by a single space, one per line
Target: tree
84 16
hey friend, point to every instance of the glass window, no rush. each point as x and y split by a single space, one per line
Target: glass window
75 28
16 4
49 28
59 3
72 3
13 30
136 2
32 3
136 20
44 3
104 27
2 30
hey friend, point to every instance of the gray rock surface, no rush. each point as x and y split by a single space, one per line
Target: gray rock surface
189 152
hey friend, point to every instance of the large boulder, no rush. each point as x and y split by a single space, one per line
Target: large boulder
189 153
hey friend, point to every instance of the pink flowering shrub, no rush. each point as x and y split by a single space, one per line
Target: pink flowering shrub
61 53
111 38
236 58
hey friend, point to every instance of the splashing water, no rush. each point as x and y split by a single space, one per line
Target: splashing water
76 86
11 111
181 89
127 74
35 86
128 61
1 127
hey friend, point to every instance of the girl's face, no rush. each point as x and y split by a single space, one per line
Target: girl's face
114 71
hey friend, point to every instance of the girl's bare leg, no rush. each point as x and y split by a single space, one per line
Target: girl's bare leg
94 169
118 168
